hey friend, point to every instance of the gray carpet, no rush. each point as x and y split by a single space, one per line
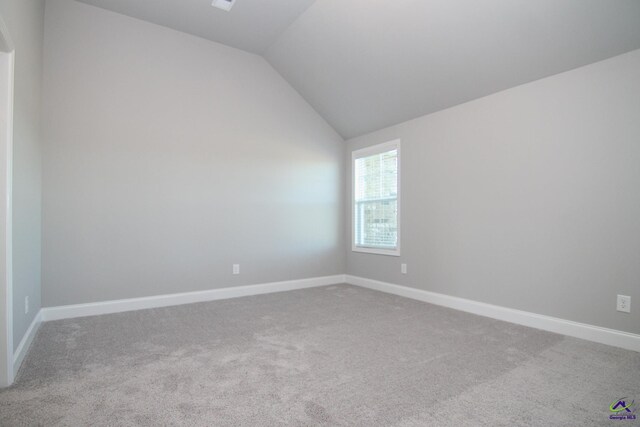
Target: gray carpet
337 355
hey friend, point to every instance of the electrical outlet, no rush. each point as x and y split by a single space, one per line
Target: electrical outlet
26 305
236 268
403 268
624 304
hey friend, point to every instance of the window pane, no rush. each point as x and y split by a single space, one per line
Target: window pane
377 176
376 200
377 224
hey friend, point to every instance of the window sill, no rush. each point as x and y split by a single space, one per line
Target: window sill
376 251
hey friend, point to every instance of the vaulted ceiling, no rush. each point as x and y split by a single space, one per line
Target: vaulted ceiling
252 25
368 64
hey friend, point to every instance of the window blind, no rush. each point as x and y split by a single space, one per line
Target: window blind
376 200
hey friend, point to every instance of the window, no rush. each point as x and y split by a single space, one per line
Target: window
376 199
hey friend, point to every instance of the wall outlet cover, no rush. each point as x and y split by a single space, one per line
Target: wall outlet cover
624 304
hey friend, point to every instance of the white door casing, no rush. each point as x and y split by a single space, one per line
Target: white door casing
6 160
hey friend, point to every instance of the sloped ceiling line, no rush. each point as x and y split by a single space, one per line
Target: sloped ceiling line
368 64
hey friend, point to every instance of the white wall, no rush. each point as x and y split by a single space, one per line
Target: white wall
168 158
528 198
25 21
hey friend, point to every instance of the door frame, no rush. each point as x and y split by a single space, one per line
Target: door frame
7 61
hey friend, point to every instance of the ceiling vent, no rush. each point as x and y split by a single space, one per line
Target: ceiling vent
225 5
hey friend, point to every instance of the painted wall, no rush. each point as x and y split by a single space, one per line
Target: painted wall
168 158
25 21
528 198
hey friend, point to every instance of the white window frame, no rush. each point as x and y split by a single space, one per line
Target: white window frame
365 152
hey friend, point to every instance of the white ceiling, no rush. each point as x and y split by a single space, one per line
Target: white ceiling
368 64
252 25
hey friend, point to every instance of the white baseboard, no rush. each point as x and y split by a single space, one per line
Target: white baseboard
584 331
21 351
118 306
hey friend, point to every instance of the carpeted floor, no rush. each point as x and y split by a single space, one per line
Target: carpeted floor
337 355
